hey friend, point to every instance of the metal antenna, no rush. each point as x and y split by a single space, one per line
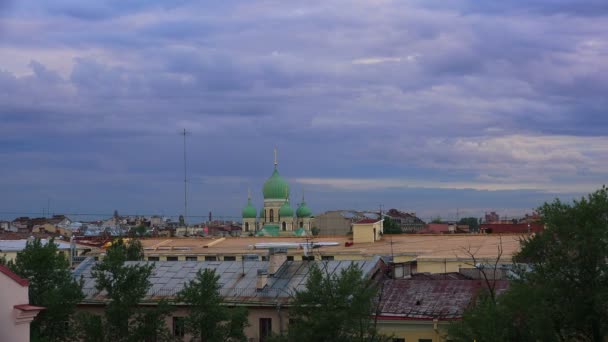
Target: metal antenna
184 134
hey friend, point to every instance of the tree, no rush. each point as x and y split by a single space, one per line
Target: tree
209 320
436 220
126 286
391 226
334 307
562 294
52 286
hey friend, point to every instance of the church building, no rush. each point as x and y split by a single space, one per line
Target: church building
277 217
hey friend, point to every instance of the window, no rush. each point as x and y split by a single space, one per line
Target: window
425 340
398 339
265 328
271 215
151 258
327 257
178 326
308 257
229 258
171 258
284 226
246 226
290 258
210 258
191 258
301 224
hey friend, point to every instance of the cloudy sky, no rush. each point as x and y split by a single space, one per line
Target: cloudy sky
430 106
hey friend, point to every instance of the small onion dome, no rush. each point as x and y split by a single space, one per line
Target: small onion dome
249 211
303 210
276 186
286 210
262 213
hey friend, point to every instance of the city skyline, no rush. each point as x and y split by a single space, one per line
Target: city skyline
421 105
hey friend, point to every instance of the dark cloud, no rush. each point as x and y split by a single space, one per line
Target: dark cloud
488 96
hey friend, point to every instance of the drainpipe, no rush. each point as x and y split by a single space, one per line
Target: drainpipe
280 319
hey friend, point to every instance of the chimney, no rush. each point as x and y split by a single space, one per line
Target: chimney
262 279
276 258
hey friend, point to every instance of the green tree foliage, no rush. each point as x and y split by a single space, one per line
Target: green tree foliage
52 286
334 307
391 226
134 250
471 222
437 220
209 320
126 286
564 294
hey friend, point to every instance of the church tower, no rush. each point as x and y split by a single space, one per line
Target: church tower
275 191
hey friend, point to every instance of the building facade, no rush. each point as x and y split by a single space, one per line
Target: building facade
16 313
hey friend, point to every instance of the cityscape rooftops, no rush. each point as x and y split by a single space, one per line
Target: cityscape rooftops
238 280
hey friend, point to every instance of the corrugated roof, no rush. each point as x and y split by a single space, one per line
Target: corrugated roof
169 277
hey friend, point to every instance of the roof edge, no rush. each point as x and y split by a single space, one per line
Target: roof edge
7 271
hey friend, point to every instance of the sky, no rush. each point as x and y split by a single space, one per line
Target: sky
443 108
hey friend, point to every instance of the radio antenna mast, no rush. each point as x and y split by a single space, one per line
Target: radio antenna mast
184 134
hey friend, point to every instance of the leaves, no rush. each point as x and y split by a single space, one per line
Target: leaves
51 286
209 319
563 293
333 307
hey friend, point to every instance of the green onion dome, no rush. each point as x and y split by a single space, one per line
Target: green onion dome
286 210
249 211
303 210
275 187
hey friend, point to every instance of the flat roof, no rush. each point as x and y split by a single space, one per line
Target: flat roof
431 246
19 245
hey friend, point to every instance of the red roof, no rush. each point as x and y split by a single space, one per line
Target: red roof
368 220
425 299
14 276
27 307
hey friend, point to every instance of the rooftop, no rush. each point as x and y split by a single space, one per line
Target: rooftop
19 245
430 298
237 279
447 246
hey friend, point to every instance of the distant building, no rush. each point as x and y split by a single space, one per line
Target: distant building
16 313
339 222
511 228
368 230
492 217
277 217
408 222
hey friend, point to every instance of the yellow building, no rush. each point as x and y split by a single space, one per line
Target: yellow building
368 231
10 248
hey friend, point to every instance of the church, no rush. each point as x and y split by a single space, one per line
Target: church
277 217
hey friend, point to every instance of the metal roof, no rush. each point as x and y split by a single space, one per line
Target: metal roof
169 277
19 245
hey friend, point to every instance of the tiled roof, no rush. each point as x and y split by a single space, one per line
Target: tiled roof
168 277
430 298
